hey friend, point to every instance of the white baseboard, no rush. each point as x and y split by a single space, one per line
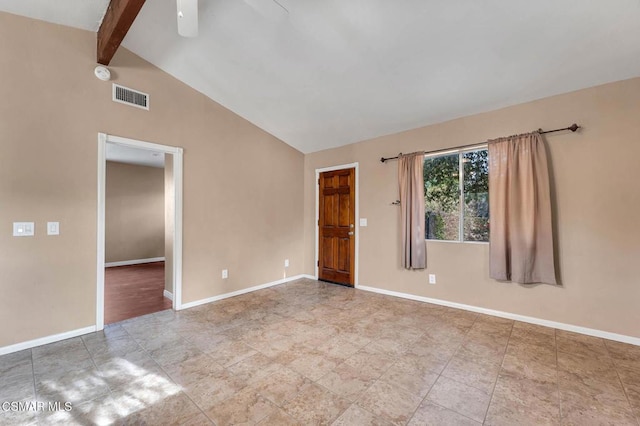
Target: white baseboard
508 315
168 294
134 262
45 340
239 292
74 333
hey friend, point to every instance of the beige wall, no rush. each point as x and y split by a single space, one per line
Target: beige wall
242 208
134 212
597 210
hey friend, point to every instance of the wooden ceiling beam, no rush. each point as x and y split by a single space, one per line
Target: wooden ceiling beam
115 25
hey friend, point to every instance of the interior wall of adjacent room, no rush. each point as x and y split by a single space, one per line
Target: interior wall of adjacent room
597 200
134 212
169 217
243 192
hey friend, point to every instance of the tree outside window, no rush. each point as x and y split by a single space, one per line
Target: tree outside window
456 188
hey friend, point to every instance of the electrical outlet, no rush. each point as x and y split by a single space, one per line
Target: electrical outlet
225 274
432 278
286 263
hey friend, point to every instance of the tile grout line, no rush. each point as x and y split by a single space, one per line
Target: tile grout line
424 398
177 384
263 378
376 380
344 362
93 362
453 411
98 370
361 393
286 400
351 402
555 341
341 397
164 371
248 385
624 389
33 374
458 347
495 383
444 368
38 413
615 368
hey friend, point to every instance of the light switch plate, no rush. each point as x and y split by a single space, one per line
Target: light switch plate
24 229
225 274
363 221
53 228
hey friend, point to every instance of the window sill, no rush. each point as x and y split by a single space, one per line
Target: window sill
458 242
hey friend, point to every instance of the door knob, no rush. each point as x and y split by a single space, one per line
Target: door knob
351 226
350 232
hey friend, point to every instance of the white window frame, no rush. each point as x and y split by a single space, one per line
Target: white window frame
460 152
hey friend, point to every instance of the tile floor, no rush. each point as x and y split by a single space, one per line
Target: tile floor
308 353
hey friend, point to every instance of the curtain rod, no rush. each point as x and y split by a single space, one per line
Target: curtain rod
573 128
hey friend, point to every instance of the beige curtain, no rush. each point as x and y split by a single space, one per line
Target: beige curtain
412 210
521 238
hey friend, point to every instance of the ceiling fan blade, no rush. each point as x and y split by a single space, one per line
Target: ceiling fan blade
187 18
269 8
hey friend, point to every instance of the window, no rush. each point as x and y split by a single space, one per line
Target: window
456 193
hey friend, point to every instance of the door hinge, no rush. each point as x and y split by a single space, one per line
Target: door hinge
318 263
318 182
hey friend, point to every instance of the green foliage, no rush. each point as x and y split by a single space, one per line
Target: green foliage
441 182
476 171
476 195
442 196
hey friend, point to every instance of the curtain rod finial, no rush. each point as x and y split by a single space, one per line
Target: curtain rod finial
382 159
574 127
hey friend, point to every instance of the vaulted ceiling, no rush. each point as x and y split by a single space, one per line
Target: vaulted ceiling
333 72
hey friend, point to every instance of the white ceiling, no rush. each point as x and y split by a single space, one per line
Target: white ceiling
85 14
334 72
140 157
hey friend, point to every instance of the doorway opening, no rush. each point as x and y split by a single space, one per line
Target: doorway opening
139 228
337 235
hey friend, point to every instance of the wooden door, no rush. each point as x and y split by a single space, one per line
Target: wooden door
336 226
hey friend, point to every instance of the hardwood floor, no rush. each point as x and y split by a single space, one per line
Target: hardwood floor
132 291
